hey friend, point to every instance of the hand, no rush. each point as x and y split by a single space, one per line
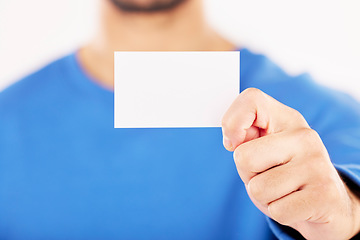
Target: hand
286 169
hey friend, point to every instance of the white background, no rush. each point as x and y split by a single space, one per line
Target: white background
318 36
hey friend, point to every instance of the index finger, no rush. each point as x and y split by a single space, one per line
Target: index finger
255 109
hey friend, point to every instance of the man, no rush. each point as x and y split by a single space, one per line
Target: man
66 173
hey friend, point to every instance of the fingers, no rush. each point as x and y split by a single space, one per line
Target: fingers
255 108
293 208
286 168
261 154
270 165
280 181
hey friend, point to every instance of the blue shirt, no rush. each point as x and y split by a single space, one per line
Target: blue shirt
66 173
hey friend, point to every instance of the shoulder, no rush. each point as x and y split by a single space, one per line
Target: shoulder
26 106
258 70
29 101
35 88
255 66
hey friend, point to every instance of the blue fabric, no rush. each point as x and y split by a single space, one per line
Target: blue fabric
66 173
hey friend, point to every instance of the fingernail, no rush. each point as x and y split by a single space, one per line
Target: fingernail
227 143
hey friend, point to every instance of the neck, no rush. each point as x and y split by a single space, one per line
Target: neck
181 29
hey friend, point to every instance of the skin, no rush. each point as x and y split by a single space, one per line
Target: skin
286 169
283 163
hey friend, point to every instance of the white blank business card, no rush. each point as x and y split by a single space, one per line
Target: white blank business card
174 89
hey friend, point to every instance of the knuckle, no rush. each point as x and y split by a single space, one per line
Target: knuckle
307 133
252 93
239 158
308 137
296 114
230 125
313 149
276 212
237 155
256 189
328 188
225 120
242 165
311 134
